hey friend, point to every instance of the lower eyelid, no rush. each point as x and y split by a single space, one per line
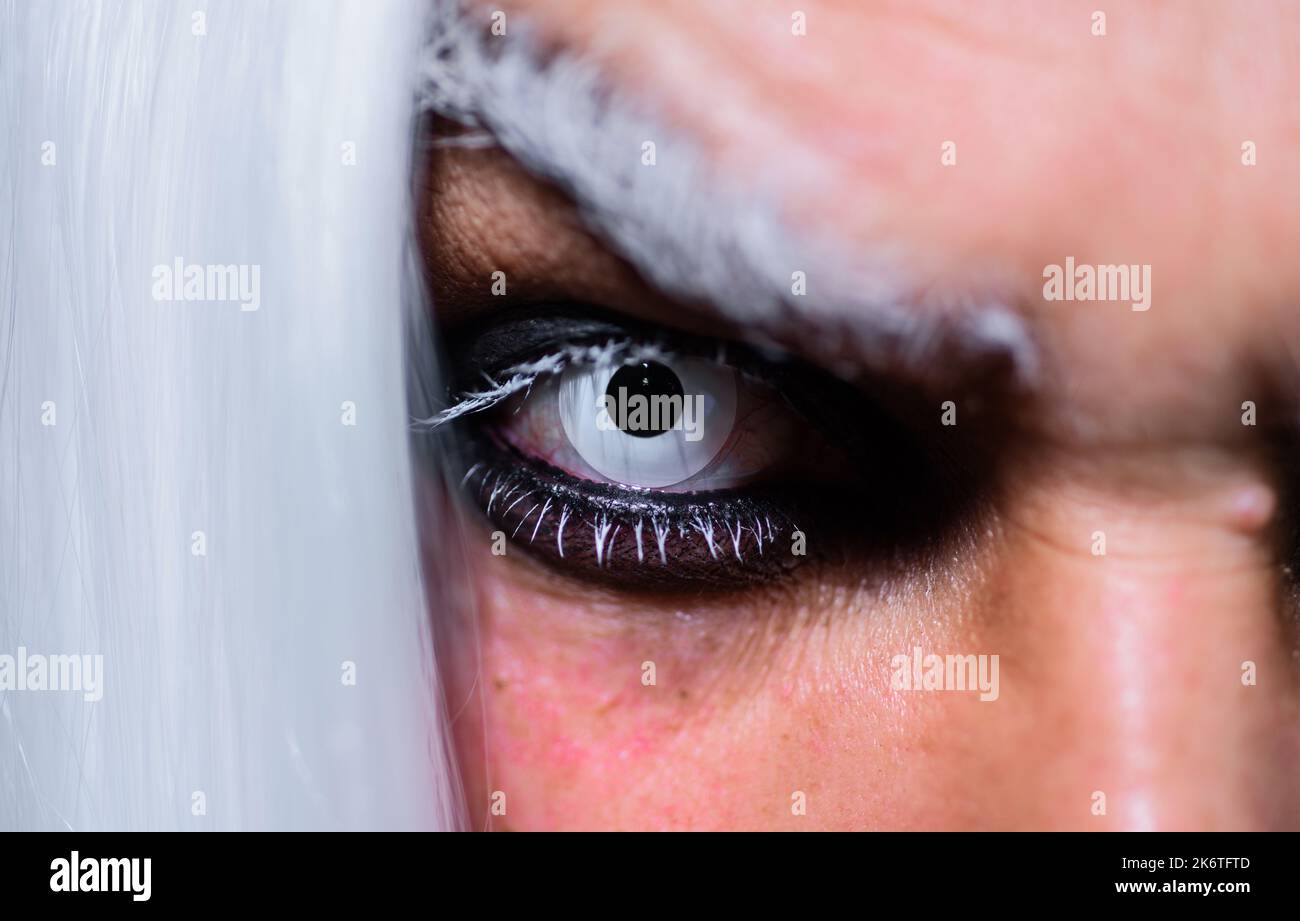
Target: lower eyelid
633 540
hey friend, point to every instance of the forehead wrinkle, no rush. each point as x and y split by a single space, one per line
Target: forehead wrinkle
689 231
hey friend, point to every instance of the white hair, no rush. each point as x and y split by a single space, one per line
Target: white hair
181 490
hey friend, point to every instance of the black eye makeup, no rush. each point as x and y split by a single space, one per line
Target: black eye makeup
646 459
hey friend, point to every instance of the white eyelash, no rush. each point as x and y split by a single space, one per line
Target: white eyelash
516 502
503 489
492 496
524 519
706 531
470 472
736 534
661 537
599 530
506 490
540 518
522 376
559 536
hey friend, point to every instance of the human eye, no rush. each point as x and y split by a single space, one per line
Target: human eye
645 459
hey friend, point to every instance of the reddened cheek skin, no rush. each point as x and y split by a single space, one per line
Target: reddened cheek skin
718 719
589 722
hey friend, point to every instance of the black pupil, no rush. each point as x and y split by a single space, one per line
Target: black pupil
648 379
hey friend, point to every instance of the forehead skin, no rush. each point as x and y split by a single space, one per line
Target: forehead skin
1122 148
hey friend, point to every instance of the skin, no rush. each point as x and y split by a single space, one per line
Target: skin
1119 674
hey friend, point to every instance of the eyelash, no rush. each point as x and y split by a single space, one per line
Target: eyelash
522 376
633 537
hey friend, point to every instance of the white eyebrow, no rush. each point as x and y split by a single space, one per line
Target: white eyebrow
690 232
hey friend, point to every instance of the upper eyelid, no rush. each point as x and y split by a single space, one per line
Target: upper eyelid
553 340
643 343
514 363
522 376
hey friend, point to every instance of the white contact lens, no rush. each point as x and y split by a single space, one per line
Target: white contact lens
648 423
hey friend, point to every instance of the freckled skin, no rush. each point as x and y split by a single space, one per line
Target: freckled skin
1119 672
